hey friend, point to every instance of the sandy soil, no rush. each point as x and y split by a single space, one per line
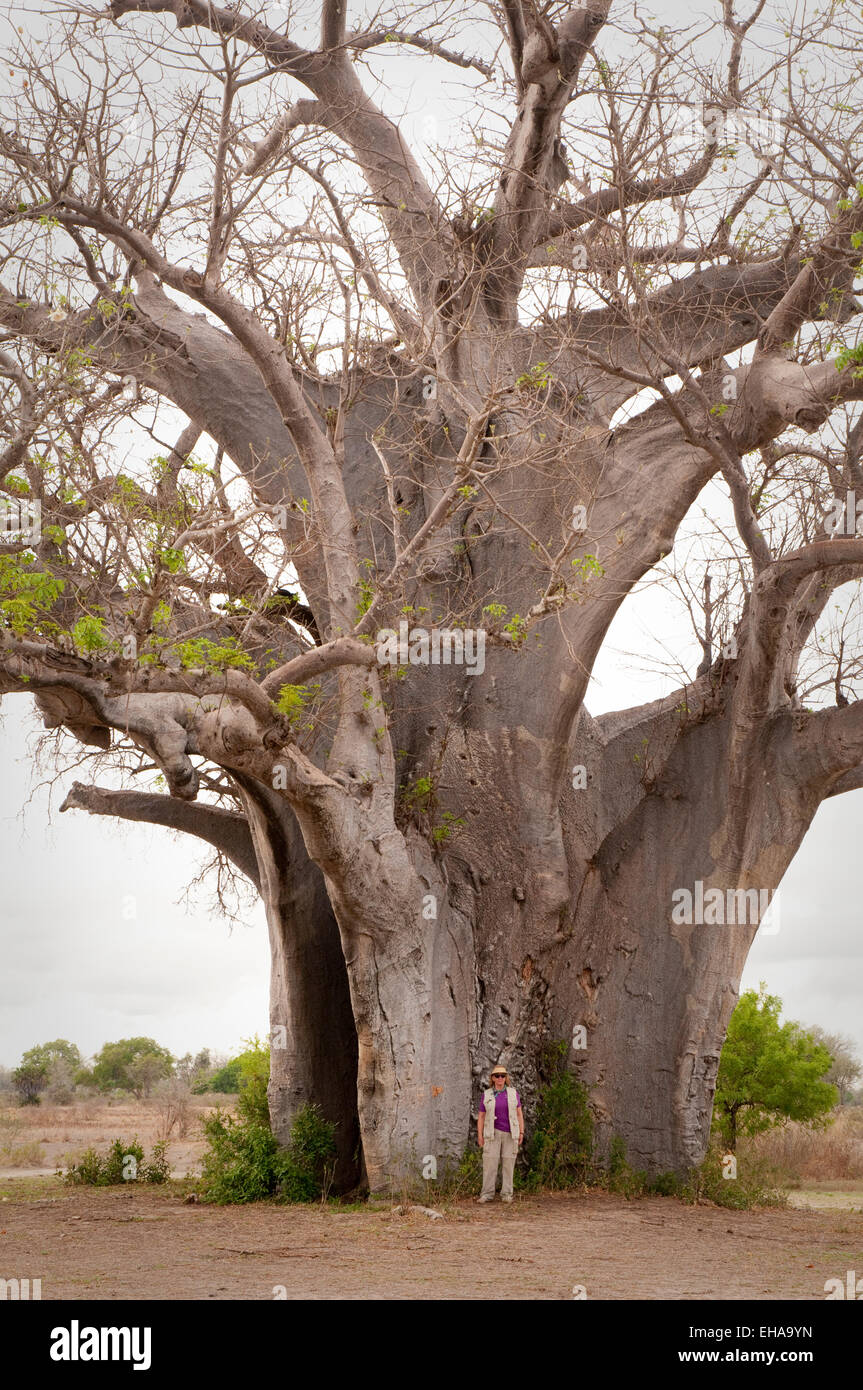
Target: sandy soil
150 1244
837 1195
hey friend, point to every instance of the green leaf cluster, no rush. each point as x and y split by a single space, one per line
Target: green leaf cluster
26 593
201 654
769 1072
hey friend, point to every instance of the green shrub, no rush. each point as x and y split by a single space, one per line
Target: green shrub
619 1175
559 1149
226 1080
667 1185
241 1164
114 1168
244 1162
158 1170
467 1175
307 1164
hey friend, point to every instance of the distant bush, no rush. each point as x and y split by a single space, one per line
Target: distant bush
239 1071
131 1064
226 1081
60 1089
194 1070
44 1064
175 1107
801 1153
30 1080
124 1162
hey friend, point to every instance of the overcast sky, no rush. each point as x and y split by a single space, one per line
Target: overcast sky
95 943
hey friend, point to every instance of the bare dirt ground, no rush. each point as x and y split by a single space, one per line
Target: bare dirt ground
149 1244
837 1194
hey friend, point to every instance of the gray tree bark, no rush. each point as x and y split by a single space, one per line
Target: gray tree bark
415 941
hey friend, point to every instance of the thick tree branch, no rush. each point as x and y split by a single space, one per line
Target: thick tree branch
551 61
628 193
831 263
226 830
408 206
766 633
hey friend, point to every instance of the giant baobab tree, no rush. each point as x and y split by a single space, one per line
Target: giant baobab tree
473 386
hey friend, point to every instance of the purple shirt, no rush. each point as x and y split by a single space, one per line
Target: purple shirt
501 1109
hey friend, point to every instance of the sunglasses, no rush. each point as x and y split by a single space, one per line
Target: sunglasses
501 1074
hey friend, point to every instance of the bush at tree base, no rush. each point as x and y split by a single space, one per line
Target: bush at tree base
244 1162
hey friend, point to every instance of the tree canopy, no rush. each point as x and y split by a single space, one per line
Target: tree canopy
131 1064
38 1065
770 1072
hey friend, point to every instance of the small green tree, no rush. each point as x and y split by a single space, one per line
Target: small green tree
224 1079
769 1072
30 1081
38 1064
131 1064
251 1065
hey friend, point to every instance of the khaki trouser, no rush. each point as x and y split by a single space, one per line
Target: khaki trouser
499 1144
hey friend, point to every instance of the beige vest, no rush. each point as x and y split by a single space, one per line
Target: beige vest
512 1102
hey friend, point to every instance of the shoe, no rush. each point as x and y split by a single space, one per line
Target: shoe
506 1199
485 1199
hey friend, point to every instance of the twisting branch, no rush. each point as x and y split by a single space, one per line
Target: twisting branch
225 830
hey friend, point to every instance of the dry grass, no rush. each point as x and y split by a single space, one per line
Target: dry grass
17 1147
175 1109
42 1136
804 1154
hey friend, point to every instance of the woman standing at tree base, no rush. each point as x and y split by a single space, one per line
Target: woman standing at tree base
502 1101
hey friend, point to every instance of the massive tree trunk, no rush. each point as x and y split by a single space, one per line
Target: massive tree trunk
313 1040
457 865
